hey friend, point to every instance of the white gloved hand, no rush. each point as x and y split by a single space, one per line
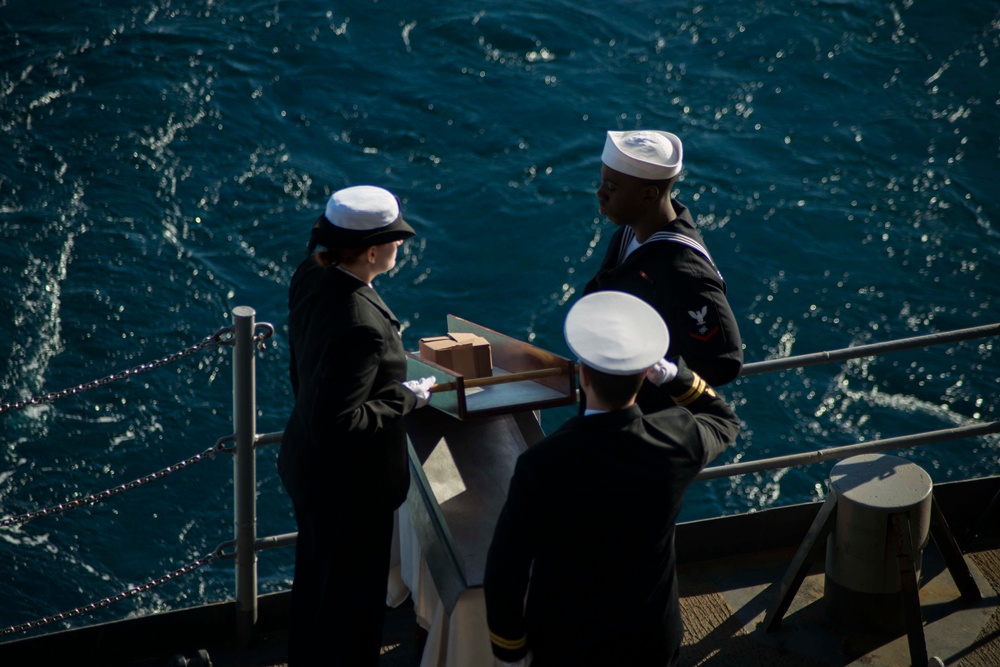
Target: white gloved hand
421 389
662 371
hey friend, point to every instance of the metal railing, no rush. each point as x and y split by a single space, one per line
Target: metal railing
874 349
222 337
242 336
245 471
805 458
859 352
778 462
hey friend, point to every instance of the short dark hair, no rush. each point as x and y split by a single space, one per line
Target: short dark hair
616 390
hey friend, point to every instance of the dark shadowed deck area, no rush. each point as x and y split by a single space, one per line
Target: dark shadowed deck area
730 572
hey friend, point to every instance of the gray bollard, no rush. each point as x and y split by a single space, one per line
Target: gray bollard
862 585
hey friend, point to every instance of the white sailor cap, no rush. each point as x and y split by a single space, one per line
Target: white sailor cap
616 333
650 154
360 216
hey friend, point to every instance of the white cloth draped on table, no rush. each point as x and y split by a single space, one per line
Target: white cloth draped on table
459 639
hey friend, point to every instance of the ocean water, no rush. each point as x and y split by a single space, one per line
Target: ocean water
162 161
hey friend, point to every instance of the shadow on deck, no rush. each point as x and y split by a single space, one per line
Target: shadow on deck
723 603
730 568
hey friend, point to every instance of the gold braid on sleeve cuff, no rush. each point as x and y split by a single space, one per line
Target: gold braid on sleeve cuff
508 644
698 388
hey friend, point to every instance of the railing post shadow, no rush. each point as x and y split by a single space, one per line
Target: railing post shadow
245 472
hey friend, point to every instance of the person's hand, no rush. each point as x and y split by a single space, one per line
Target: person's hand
662 371
421 389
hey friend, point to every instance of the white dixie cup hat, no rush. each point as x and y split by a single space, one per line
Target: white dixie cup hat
650 154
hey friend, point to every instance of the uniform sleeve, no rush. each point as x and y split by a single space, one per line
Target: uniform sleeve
718 424
508 567
350 365
703 329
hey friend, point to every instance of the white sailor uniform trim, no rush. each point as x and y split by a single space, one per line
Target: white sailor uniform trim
628 235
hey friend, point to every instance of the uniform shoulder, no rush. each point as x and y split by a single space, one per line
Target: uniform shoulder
659 258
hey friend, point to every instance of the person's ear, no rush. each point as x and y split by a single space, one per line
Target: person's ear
651 193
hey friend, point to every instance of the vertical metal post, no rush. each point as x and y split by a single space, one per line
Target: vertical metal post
245 472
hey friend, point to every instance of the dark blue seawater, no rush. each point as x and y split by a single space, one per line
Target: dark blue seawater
162 161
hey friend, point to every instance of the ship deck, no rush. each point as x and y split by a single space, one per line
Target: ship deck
723 604
724 600
730 571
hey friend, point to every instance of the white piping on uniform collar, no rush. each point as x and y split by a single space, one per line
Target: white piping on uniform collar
675 237
351 274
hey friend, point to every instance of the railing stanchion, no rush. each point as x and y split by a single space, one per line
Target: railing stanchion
245 472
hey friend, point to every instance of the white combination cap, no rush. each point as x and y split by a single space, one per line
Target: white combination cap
650 154
362 208
358 217
616 333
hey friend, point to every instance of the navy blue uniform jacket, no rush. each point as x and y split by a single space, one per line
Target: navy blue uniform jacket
345 436
590 518
686 289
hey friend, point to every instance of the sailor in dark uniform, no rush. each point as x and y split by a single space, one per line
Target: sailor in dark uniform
343 454
657 254
582 568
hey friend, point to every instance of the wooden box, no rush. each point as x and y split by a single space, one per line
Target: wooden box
466 354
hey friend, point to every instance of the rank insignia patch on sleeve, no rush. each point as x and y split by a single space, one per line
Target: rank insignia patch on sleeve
701 330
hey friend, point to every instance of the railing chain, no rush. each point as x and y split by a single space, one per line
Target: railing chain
223 336
118 597
104 495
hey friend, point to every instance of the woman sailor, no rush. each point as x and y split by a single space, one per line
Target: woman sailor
343 454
